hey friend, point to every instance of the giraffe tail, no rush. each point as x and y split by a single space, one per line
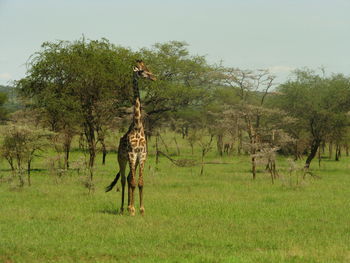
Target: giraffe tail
110 187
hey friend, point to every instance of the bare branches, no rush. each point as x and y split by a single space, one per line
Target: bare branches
248 81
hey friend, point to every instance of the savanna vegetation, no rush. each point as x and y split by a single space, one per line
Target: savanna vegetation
239 169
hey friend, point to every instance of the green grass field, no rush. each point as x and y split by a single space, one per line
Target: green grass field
222 216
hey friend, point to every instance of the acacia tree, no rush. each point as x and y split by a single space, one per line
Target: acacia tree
72 81
252 89
183 82
320 104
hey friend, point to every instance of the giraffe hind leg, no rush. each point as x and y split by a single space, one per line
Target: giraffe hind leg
132 184
123 179
122 166
140 184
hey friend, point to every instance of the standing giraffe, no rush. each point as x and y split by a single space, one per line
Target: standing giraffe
132 146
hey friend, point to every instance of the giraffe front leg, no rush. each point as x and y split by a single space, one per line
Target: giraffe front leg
131 191
140 184
131 185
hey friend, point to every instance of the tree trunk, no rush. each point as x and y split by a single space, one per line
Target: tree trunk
92 153
252 154
104 154
296 155
202 162
219 144
314 147
157 150
104 151
19 168
319 157
66 158
323 147
337 152
177 146
253 167
28 171
81 142
67 145
68 137
330 149
10 161
227 148
271 167
184 131
205 149
253 138
240 142
90 137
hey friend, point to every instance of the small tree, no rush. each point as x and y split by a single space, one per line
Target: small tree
206 145
21 145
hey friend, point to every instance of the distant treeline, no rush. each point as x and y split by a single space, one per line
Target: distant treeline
85 88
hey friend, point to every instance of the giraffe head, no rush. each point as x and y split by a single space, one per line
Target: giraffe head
142 71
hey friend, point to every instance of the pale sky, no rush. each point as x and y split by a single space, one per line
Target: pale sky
277 34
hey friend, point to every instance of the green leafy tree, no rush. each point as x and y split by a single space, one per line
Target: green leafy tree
183 81
320 104
79 84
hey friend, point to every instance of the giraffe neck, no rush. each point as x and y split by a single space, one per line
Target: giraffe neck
137 103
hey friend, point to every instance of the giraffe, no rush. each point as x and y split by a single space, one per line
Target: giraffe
132 146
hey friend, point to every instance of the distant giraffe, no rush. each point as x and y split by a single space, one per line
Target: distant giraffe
132 146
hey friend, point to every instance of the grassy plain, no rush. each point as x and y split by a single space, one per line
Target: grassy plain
222 216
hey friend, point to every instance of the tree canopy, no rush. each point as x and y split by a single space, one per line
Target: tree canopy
81 87
320 105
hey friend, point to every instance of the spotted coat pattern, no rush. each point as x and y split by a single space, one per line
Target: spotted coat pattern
133 146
